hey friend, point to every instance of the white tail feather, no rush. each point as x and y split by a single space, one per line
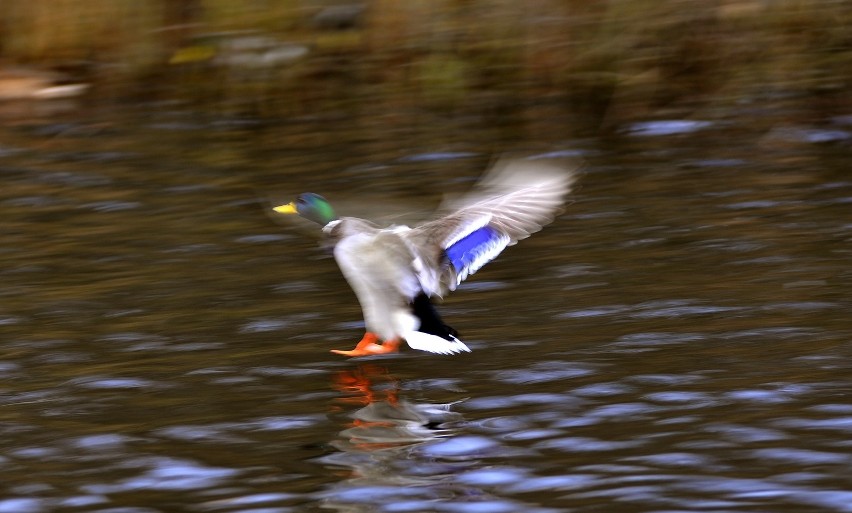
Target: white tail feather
434 344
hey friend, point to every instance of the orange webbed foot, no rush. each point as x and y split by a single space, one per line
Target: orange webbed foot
368 346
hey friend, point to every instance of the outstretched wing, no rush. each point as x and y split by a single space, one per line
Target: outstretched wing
513 200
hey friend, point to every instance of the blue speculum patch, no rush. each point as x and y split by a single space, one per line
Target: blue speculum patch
470 247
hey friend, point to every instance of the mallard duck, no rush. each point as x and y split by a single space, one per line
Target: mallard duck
395 270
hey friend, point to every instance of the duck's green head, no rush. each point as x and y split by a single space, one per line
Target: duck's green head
310 206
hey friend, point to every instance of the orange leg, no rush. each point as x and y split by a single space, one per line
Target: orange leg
368 346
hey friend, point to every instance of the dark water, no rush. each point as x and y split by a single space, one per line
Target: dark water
679 340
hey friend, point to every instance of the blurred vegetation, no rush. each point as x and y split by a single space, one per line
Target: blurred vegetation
607 62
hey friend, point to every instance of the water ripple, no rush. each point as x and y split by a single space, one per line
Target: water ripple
691 399
677 459
493 476
95 382
801 456
587 444
250 500
668 127
532 434
843 424
656 339
622 410
565 482
543 372
460 446
746 434
166 473
603 390
23 505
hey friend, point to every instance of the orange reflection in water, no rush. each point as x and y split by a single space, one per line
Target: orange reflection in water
385 421
357 385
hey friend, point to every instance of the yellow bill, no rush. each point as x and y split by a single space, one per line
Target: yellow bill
289 208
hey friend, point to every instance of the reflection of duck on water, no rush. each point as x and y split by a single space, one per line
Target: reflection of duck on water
398 455
376 460
386 422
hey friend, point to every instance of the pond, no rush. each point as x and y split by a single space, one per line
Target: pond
677 340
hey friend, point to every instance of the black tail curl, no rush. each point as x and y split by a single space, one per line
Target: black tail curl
430 321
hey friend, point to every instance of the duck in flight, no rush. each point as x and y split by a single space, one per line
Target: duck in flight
396 270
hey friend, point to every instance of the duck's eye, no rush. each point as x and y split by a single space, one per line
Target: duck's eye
301 201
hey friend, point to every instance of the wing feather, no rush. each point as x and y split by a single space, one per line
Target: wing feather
514 199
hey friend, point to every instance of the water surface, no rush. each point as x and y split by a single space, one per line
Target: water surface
678 340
